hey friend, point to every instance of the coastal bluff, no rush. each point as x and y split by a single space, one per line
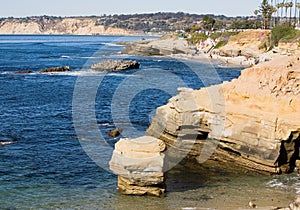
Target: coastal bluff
60 26
254 120
249 124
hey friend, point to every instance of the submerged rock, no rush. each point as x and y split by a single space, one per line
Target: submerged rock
24 72
56 69
116 65
139 165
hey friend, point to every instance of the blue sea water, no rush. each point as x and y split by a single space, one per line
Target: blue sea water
43 164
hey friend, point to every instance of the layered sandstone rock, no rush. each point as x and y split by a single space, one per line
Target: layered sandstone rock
161 47
248 43
252 122
139 165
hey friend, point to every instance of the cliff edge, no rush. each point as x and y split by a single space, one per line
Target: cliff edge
252 122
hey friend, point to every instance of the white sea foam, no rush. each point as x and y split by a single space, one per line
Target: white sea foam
111 44
79 57
5 143
276 183
65 56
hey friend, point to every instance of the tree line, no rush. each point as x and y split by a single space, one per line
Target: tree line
279 12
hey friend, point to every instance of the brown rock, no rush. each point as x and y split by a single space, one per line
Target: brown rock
56 69
114 133
128 188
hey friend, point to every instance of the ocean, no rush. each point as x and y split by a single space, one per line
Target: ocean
54 148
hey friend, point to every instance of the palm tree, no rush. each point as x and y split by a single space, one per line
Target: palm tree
298 7
266 10
277 12
286 6
295 15
272 22
290 6
280 6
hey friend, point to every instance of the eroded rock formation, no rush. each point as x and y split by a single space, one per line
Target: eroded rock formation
139 165
252 122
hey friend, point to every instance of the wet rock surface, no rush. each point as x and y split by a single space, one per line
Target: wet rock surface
56 69
116 65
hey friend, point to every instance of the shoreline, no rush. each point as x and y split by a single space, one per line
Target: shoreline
180 49
228 62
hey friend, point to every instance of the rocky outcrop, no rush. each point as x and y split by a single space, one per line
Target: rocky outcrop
248 43
116 65
158 47
139 165
250 123
56 69
76 26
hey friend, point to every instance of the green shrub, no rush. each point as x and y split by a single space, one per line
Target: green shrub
220 44
284 33
196 38
223 35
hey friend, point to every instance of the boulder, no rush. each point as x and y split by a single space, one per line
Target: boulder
116 65
139 165
56 69
114 133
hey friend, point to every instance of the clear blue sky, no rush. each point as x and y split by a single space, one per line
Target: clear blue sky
21 8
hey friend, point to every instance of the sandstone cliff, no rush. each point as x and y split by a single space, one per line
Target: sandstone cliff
76 26
248 43
252 122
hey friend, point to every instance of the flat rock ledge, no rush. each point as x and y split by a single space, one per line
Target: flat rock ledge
158 47
139 165
116 65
